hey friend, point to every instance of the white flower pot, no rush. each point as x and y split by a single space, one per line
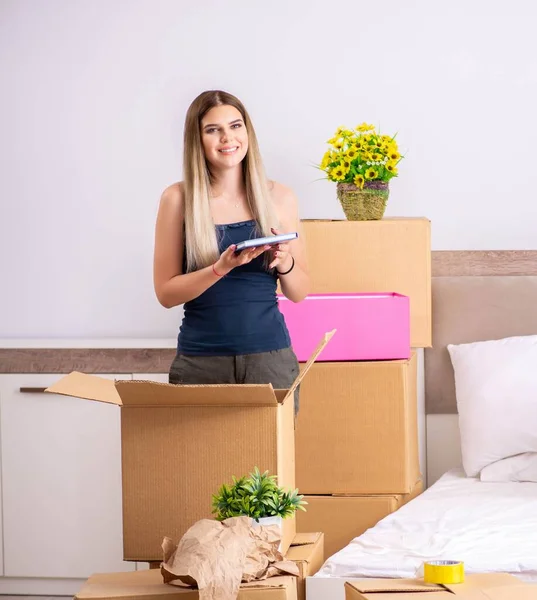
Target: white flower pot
270 521
266 521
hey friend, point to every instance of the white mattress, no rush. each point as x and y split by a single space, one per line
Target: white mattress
489 526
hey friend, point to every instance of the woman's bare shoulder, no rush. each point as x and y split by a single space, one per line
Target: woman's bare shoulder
283 196
173 195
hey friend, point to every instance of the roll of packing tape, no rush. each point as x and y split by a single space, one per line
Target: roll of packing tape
443 571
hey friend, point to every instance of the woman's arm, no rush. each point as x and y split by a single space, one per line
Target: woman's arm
292 255
172 287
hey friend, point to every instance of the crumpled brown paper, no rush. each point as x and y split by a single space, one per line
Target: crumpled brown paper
216 556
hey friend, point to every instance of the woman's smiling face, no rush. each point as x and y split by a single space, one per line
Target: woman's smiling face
224 137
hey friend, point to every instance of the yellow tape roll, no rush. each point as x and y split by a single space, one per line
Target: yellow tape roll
443 571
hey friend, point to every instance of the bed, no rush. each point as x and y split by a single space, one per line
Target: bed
491 525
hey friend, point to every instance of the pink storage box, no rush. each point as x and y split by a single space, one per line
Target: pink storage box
369 326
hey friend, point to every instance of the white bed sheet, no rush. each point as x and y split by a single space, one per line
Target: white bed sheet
489 526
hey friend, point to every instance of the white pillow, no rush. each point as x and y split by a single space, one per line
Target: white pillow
515 468
496 388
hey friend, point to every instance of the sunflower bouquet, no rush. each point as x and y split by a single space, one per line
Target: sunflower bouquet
360 155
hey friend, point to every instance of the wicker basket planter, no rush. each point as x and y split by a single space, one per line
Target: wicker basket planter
366 204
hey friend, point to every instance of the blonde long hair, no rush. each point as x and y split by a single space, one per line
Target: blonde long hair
200 234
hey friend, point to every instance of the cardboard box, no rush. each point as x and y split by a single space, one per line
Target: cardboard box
307 550
342 518
482 586
369 326
357 429
148 585
393 254
180 443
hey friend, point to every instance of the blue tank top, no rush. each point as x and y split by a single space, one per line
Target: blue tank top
239 314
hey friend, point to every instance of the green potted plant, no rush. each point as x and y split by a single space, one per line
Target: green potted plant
361 162
257 496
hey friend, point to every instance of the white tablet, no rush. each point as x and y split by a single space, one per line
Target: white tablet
266 241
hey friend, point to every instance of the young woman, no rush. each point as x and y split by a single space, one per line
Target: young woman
232 330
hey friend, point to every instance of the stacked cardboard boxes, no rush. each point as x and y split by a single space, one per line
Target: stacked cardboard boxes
355 442
357 457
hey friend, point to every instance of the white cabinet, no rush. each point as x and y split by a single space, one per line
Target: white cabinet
61 482
1 495
158 377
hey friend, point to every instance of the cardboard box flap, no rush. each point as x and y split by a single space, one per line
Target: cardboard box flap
394 585
326 338
126 585
304 552
482 586
493 586
302 539
150 393
90 387
484 581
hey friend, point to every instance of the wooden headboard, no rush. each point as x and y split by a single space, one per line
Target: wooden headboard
476 296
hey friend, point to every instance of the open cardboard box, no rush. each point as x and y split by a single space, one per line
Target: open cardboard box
180 443
148 585
482 586
307 551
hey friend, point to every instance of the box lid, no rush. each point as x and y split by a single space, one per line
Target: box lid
148 585
483 586
150 393
493 586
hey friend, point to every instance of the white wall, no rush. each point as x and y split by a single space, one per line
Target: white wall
94 94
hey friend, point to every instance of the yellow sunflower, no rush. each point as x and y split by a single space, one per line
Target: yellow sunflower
352 153
327 159
359 181
390 166
338 173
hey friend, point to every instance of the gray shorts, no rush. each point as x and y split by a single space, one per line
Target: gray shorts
278 367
